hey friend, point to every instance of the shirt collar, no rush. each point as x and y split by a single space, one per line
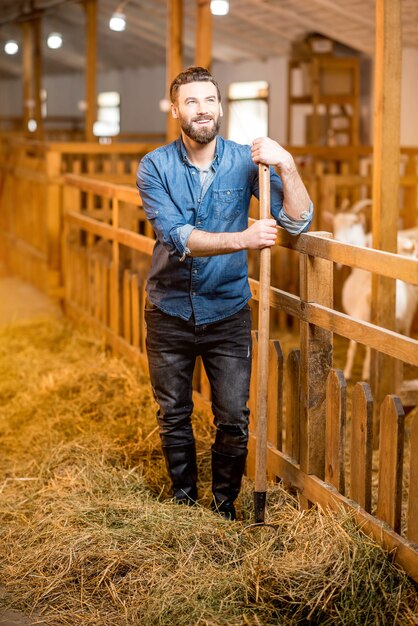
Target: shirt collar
220 144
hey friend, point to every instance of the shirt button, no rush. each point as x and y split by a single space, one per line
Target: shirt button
228 193
194 293
194 271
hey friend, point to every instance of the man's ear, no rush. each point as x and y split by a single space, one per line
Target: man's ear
174 111
221 112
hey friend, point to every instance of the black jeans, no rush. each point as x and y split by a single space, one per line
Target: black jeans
225 347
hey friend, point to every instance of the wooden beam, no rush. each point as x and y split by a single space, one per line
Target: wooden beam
90 7
386 162
27 73
360 43
203 49
37 75
174 55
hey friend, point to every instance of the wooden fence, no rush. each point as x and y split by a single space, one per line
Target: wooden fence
106 252
31 181
335 174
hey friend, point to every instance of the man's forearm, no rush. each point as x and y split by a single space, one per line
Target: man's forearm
296 197
202 243
259 235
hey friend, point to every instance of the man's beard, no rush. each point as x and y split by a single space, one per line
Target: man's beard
204 134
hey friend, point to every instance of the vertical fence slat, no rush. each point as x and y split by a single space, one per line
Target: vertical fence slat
126 297
412 524
114 273
335 430
293 405
361 446
105 316
389 498
97 288
135 311
275 395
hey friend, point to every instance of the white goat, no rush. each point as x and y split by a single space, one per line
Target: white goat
356 292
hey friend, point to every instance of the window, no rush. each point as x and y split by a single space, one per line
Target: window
108 114
247 111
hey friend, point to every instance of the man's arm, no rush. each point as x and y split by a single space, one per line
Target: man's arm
261 234
296 198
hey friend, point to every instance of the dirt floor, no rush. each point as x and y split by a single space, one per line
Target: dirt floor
18 302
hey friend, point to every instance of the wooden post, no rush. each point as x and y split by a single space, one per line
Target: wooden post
316 285
90 8
27 72
203 49
386 160
174 56
53 221
37 76
114 274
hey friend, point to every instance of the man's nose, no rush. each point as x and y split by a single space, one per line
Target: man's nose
202 108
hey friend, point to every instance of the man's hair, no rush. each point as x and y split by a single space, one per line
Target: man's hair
192 75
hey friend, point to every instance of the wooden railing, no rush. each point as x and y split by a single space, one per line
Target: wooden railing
335 174
31 177
106 253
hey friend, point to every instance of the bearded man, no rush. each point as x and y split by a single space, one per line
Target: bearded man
196 194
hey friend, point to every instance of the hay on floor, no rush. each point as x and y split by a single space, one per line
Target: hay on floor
89 535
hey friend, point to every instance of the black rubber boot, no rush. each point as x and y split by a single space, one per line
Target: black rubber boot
182 469
227 472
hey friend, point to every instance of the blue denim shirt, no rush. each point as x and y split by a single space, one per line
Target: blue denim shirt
176 202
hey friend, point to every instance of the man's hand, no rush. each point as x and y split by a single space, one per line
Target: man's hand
268 151
261 234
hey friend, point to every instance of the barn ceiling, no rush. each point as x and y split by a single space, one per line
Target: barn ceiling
253 29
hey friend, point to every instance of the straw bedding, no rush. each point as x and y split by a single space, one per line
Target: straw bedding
89 536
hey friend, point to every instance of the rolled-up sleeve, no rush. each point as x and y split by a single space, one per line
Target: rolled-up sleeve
164 215
294 226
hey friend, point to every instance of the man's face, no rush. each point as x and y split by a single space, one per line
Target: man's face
199 111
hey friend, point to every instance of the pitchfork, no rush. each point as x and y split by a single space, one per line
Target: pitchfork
260 487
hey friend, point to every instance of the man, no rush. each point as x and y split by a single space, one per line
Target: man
196 193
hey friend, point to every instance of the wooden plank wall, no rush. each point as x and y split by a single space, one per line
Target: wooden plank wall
308 447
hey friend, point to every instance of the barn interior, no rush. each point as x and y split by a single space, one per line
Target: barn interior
84 96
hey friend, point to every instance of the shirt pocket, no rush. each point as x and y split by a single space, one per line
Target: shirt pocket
227 203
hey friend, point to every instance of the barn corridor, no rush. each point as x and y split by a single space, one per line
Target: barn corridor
20 301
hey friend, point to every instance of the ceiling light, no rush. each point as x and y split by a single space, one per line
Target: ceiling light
219 7
32 125
117 22
11 47
54 41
